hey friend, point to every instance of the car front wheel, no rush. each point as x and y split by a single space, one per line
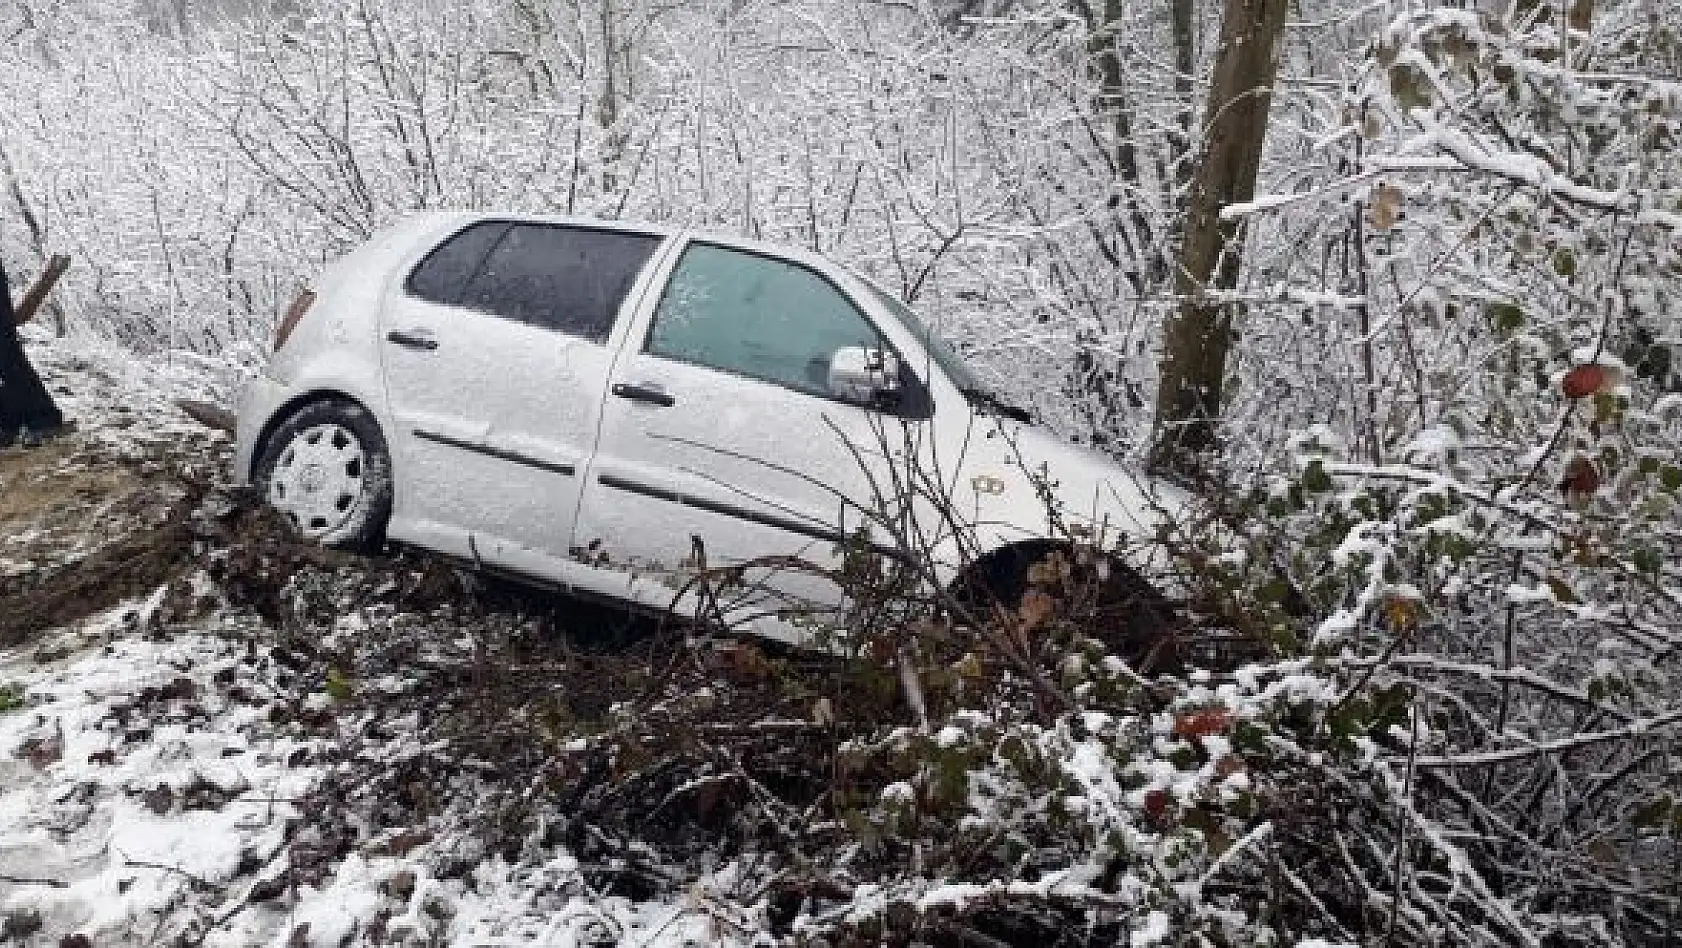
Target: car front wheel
1114 604
327 470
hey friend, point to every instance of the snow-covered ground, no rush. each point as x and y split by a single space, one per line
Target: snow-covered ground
173 762
142 782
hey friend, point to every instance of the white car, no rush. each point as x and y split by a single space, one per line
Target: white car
606 407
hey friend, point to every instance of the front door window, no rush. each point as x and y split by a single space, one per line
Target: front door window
755 316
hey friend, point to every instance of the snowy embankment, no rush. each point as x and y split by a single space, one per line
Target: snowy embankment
180 742
214 734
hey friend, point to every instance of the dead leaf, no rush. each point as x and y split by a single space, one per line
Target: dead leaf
1156 805
1562 590
970 666
1051 571
741 661
159 799
1205 722
44 750
1386 206
1402 613
1035 610
882 649
1582 478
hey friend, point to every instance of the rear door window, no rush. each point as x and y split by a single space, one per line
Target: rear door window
568 279
441 277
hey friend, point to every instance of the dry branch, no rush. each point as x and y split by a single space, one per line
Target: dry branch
37 295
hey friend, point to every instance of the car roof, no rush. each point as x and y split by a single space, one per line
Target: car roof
436 221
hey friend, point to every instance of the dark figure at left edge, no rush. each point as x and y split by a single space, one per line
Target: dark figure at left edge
28 415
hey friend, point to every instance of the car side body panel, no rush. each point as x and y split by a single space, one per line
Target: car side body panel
495 422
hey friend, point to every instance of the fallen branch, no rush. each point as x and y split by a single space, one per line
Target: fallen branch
214 417
26 880
198 884
37 295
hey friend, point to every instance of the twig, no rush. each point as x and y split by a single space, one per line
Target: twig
198 883
1226 858
1635 729
27 880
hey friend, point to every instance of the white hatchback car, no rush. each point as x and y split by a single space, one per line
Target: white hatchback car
601 406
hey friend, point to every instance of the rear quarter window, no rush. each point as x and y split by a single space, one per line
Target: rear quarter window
441 277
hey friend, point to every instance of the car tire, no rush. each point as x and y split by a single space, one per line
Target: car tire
327 470
1119 607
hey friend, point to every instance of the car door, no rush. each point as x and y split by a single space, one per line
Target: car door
721 440
497 354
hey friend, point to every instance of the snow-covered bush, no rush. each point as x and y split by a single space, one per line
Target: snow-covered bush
1470 509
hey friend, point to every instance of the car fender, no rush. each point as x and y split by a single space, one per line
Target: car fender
1022 485
337 375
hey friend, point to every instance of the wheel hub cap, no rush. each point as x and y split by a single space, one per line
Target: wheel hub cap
318 480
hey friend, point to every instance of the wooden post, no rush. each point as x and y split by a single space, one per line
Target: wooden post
37 295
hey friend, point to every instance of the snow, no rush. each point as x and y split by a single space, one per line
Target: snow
1592 355
1434 445
1520 169
1521 595
1154 931
109 866
111 862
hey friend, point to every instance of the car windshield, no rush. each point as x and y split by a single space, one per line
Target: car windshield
974 389
938 349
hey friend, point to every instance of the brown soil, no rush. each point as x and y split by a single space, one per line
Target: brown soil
85 526
131 567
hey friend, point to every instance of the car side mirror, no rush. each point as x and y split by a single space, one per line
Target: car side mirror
867 375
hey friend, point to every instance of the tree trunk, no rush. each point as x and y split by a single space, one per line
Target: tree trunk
1197 337
1103 25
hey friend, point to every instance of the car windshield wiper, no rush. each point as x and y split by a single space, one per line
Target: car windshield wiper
982 398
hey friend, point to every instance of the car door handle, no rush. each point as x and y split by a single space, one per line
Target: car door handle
644 392
412 339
